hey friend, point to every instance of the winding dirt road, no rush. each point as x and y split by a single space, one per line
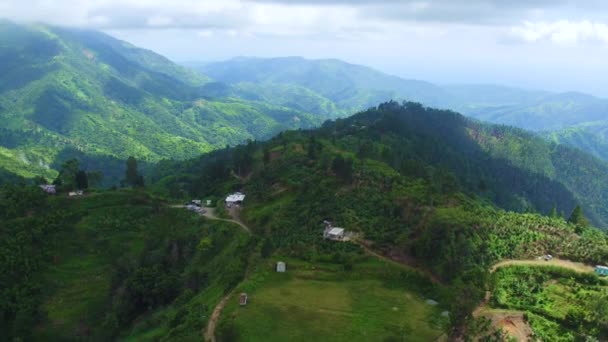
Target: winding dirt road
209 213
217 311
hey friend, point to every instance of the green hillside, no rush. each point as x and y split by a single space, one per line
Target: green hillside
422 191
549 113
349 87
66 90
110 265
336 89
591 137
402 179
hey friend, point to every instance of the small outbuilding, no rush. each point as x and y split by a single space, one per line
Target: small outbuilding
335 233
281 267
601 270
243 299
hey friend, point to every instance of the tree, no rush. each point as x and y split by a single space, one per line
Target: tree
67 175
343 168
553 213
577 217
82 180
132 176
266 158
94 178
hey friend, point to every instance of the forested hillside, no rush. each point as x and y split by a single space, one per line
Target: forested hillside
67 91
424 189
412 183
512 168
591 137
110 265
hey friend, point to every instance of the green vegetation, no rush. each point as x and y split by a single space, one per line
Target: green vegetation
374 300
422 185
591 137
562 305
334 88
67 92
111 264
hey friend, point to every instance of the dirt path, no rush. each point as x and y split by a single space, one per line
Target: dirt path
217 311
209 335
215 316
399 263
210 214
574 266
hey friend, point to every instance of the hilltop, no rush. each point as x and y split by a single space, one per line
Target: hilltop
429 189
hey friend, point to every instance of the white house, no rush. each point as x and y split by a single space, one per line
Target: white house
235 198
335 234
281 267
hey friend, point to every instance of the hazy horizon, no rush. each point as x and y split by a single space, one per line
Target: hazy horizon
545 45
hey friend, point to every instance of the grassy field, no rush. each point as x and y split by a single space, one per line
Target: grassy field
321 302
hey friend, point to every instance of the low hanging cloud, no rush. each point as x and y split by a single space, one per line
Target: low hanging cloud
561 32
556 21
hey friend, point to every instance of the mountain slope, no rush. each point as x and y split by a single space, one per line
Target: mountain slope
336 89
551 112
69 89
412 184
591 137
350 87
514 169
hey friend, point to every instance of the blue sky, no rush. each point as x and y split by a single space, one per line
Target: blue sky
555 45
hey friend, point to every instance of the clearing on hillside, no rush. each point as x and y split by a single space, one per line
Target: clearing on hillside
321 302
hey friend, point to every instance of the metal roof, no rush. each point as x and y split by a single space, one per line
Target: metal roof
336 231
236 197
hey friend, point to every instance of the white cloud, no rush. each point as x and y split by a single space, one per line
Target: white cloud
159 20
564 32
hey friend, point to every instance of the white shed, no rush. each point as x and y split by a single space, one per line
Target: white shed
336 233
281 267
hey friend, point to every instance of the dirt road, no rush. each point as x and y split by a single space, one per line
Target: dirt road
574 266
215 316
217 311
210 214
399 263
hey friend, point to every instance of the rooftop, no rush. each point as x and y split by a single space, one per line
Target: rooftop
602 267
235 197
336 231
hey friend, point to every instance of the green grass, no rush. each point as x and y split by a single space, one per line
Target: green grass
319 302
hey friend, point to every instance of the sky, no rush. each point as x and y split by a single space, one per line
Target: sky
554 45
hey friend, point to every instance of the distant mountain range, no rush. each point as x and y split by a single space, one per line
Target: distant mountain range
333 86
74 93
